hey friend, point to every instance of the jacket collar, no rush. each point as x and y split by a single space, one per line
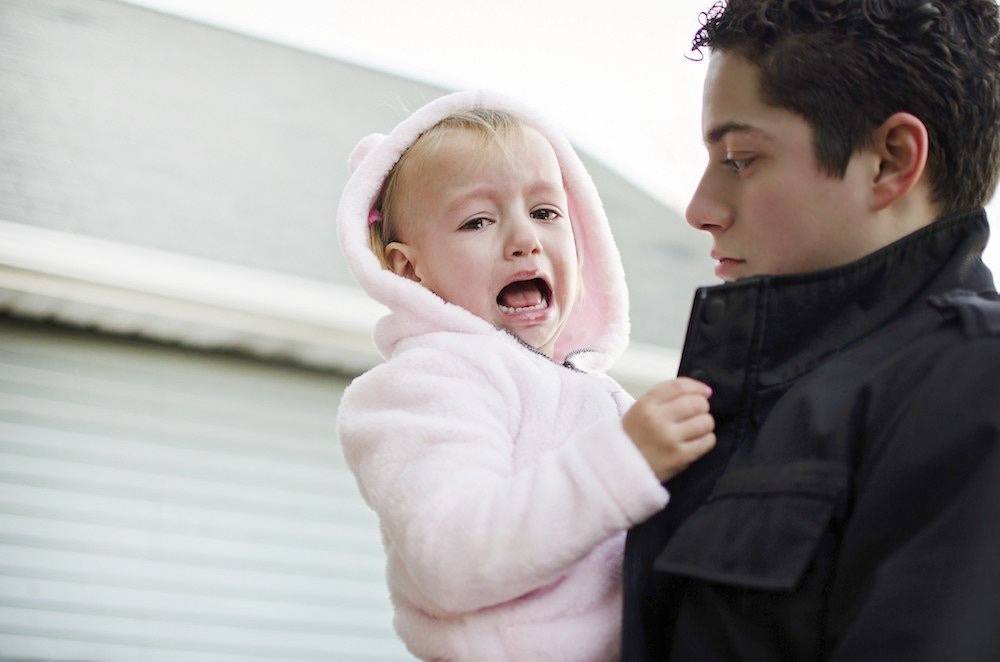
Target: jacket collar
767 330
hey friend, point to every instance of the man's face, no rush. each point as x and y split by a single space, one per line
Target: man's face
489 230
763 198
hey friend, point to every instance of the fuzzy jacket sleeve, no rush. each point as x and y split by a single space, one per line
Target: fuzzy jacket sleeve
430 440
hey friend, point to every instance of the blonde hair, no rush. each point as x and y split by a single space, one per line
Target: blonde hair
493 126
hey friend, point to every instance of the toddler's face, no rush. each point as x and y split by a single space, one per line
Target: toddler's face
488 229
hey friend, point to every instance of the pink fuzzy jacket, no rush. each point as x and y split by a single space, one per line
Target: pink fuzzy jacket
503 480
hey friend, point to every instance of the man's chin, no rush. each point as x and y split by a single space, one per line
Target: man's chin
730 270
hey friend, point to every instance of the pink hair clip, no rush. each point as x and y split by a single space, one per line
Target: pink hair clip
374 216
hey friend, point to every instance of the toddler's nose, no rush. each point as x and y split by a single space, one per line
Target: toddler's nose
523 239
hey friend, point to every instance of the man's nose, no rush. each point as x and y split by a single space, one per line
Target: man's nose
709 209
522 239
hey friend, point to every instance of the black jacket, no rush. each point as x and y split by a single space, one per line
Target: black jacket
851 507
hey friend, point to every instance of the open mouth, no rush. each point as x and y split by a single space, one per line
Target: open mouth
524 296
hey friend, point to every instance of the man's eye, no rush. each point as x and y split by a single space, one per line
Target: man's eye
738 165
477 223
545 214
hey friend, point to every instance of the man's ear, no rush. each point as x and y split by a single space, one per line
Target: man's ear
901 145
401 259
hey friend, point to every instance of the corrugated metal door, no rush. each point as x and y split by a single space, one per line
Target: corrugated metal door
164 504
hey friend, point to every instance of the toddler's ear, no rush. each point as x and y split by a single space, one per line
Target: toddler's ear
361 150
402 260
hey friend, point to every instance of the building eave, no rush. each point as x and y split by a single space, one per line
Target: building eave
126 289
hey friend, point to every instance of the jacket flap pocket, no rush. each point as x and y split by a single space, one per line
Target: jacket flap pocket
760 527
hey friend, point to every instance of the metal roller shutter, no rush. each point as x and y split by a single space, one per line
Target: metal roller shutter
158 503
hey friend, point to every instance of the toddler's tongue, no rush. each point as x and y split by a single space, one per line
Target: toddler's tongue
520 294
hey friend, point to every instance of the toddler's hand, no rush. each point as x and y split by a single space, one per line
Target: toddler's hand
671 426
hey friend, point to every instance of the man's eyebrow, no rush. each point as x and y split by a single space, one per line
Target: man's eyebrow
719 132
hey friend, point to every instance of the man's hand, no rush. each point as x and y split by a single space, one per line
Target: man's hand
671 426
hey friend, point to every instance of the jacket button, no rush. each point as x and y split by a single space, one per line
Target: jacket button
713 310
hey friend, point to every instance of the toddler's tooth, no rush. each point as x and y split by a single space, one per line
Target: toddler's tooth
523 309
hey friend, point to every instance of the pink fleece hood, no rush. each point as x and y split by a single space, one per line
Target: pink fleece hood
598 325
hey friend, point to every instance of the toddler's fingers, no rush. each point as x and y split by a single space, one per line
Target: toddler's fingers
695 386
695 427
674 388
685 407
695 448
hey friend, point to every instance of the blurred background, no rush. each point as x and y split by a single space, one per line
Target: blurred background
177 324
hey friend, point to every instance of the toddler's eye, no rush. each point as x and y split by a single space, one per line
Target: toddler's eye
477 223
545 214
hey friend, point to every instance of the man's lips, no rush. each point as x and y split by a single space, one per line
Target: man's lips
726 266
719 257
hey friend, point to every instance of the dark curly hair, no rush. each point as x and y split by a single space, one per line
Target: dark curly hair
847 65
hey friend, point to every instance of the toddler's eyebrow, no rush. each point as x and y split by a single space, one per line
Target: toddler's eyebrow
719 132
546 187
490 192
478 191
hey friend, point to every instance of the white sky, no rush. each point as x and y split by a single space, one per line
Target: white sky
613 74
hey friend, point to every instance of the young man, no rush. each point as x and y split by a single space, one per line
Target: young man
851 507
